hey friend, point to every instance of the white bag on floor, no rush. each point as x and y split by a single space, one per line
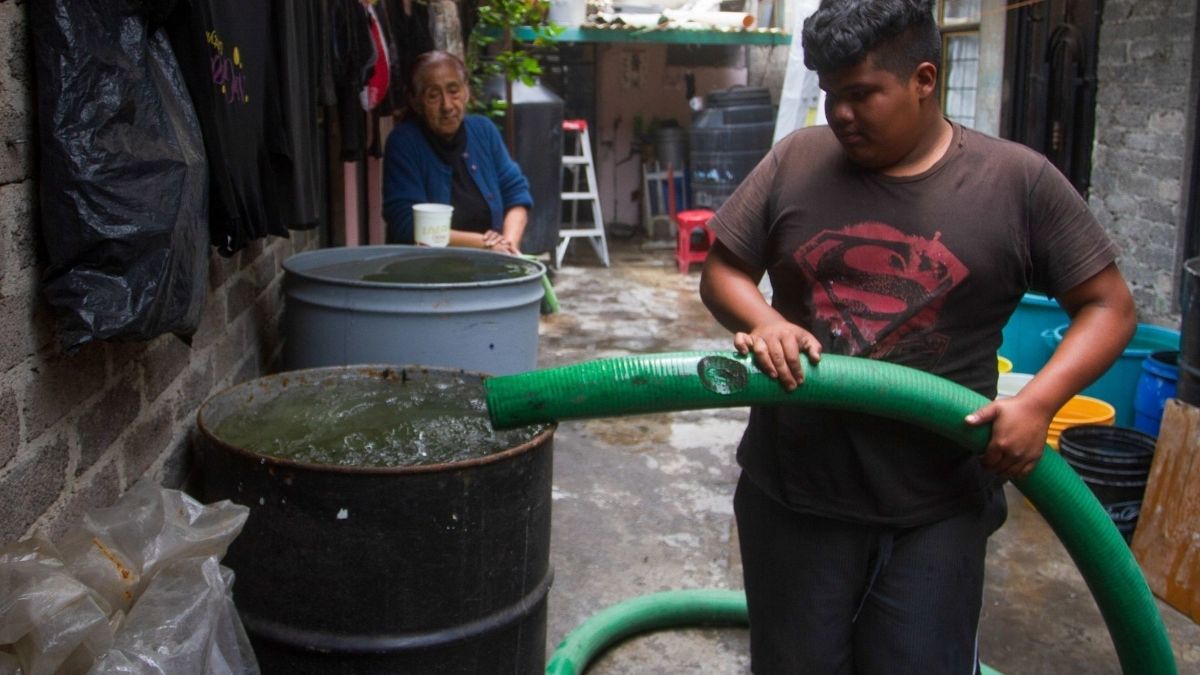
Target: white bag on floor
135 588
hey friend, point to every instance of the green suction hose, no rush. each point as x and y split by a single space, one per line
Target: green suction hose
646 613
642 614
696 380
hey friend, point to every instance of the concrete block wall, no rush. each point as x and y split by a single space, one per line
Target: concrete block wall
1138 163
78 429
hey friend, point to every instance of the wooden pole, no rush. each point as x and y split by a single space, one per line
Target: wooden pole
510 122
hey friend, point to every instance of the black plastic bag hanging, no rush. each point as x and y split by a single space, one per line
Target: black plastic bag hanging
122 175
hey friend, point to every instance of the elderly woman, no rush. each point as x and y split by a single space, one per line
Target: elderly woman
446 156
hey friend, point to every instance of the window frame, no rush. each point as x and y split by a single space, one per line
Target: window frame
957 28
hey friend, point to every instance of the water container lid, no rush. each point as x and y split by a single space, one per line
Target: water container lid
737 96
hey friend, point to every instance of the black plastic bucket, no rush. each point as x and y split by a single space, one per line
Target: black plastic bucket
1114 462
440 568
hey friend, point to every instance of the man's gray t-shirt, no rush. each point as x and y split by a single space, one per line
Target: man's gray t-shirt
922 271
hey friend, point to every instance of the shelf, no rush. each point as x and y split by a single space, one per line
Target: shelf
675 36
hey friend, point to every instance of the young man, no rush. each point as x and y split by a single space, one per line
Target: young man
893 234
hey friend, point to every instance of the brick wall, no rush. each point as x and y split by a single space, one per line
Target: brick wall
1142 109
76 430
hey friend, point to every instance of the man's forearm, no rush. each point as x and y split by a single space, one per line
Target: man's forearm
730 292
1102 322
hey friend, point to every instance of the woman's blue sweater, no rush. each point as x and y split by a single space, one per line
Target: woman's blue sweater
414 174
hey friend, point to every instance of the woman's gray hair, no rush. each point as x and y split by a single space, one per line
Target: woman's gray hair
432 58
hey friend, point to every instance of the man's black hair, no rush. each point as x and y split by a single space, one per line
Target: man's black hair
899 34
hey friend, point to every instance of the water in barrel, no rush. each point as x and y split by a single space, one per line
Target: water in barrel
385 422
427 267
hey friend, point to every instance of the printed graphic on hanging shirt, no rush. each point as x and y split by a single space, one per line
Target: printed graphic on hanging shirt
222 47
879 290
228 71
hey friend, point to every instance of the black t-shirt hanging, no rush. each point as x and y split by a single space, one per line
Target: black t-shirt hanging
292 133
353 59
222 48
408 24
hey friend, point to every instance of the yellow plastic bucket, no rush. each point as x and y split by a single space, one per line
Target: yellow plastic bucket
1079 410
1003 364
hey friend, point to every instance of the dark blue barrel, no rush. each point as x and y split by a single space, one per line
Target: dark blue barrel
1157 384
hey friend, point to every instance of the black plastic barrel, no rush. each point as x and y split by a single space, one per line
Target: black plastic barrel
1188 389
438 568
727 140
538 117
1114 462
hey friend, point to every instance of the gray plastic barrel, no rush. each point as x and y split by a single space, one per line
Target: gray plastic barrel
333 317
670 147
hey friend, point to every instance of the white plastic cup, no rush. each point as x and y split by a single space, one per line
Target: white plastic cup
431 224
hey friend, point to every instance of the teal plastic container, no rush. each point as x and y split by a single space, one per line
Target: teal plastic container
1023 342
1118 386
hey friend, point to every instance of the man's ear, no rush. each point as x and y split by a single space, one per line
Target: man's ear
926 79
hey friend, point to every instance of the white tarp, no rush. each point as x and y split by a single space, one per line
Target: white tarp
801 103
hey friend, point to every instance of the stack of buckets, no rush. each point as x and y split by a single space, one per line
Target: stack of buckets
1114 461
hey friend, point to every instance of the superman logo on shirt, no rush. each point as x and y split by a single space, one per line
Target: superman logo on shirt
879 290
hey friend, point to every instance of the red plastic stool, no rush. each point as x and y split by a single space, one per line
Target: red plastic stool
687 222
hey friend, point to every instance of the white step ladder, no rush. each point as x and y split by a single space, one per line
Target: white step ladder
573 163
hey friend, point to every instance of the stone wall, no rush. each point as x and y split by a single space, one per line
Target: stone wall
78 429
1139 160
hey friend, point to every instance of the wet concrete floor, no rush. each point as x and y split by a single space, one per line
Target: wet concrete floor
644 504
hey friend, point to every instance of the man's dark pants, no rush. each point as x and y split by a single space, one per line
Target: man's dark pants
830 597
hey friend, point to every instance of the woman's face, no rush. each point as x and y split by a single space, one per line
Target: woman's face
442 98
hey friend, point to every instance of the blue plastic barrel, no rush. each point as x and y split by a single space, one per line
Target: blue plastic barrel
1023 343
1118 385
1160 372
